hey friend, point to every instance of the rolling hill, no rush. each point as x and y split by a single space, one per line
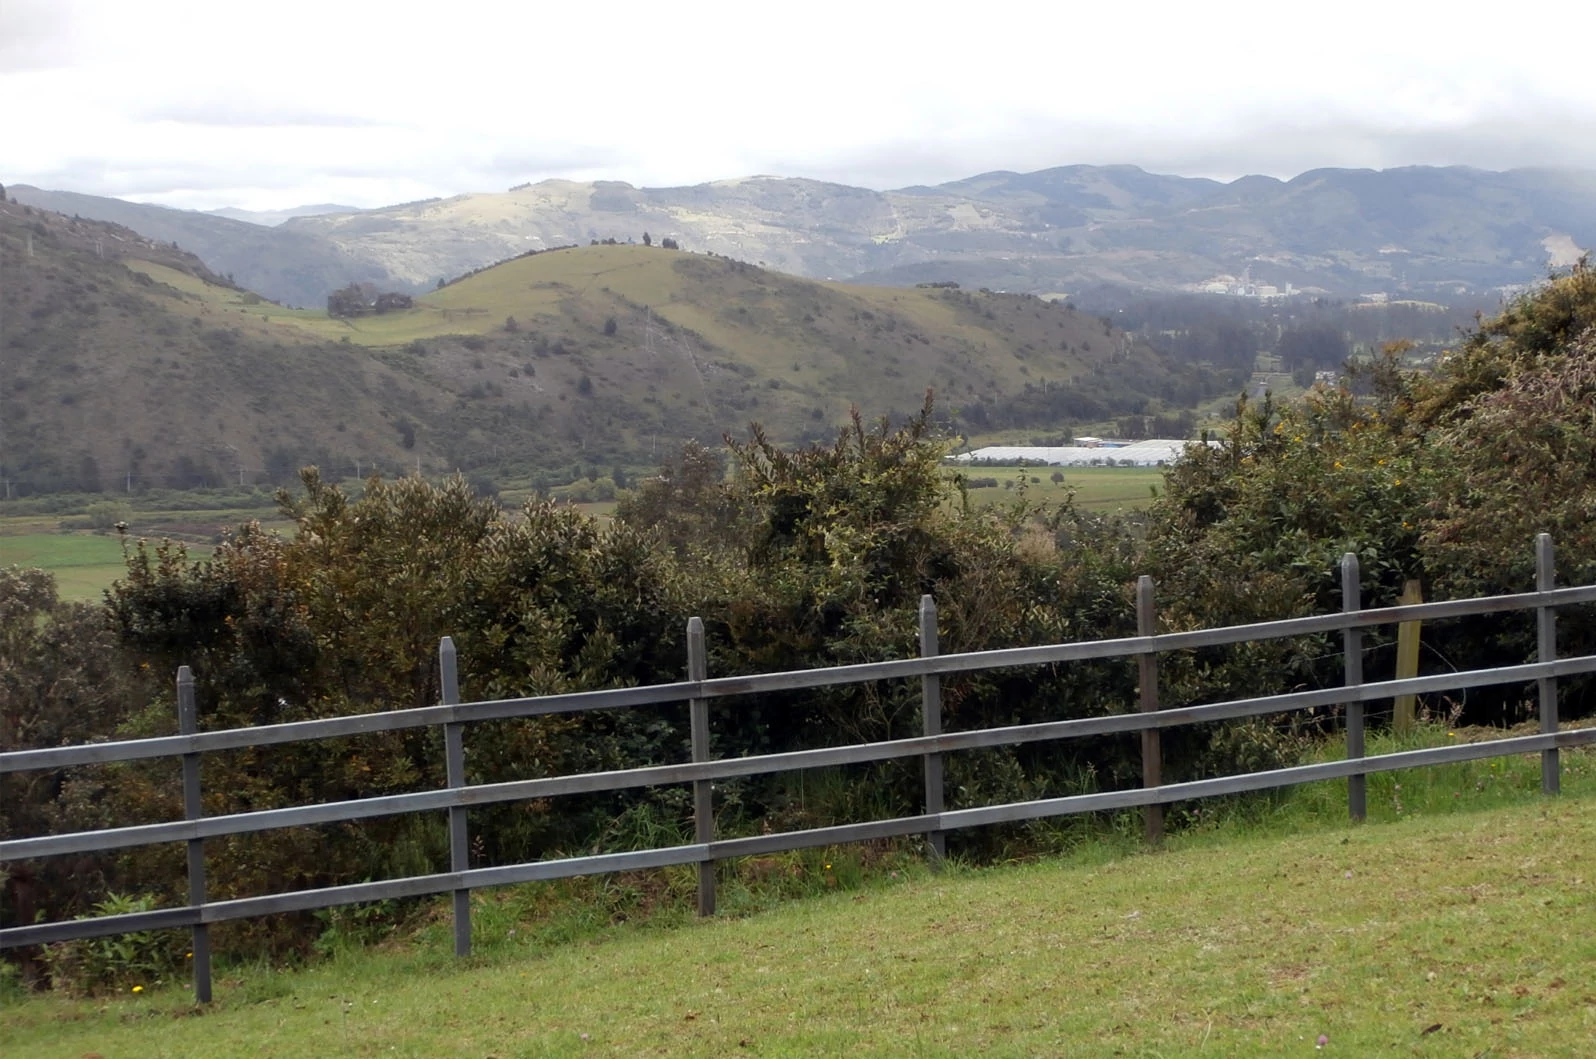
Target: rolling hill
288 265
127 361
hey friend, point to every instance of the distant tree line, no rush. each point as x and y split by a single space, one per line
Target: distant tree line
648 240
1308 334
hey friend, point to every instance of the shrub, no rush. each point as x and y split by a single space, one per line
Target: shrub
118 962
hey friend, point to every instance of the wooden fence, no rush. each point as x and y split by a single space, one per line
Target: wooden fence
703 770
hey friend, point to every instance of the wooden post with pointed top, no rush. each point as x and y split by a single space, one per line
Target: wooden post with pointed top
200 943
931 724
1404 709
454 768
1152 738
1546 651
703 790
1352 655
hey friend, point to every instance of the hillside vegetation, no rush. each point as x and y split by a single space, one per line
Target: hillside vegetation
132 364
294 267
115 381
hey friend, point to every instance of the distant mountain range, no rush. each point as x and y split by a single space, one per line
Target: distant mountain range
1422 230
272 218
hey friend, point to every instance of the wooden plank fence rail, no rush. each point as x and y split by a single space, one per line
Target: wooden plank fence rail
796 680
458 796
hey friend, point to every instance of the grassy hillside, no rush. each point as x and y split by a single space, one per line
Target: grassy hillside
130 363
291 265
1444 934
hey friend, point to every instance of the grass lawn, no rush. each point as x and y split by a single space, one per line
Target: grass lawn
84 564
1455 923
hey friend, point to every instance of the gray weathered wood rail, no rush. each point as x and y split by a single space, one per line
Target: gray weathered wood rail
458 796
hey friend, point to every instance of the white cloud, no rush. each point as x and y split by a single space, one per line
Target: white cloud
205 104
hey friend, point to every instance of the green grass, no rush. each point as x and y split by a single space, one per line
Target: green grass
1096 488
1453 924
84 564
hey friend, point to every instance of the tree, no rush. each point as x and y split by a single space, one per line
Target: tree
1446 477
647 241
609 326
1313 345
61 682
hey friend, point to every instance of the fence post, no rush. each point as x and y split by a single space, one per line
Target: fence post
1546 651
1352 650
931 724
454 770
188 724
1152 738
703 790
1404 710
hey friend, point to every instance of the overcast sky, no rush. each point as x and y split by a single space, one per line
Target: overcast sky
270 105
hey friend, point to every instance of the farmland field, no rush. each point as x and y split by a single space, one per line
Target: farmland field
1096 488
84 564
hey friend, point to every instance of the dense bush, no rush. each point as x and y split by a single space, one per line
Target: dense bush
1443 476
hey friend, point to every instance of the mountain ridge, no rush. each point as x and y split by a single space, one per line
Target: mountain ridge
1424 230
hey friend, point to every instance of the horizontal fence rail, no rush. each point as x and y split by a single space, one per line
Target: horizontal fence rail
1148 718
793 680
1014 812
728 768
